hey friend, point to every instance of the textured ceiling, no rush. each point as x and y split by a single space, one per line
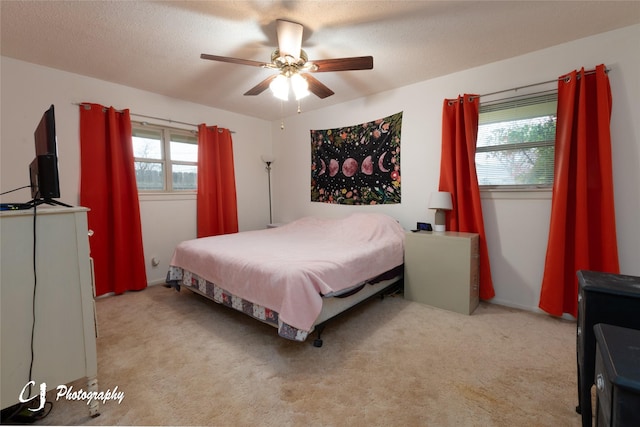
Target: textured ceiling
156 46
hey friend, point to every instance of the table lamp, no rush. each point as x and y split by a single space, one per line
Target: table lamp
441 202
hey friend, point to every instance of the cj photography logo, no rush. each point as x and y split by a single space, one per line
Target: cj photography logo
68 393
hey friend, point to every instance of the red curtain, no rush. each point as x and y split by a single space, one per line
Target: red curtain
108 188
458 177
217 203
582 233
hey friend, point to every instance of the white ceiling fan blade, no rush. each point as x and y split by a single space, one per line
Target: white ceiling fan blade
289 38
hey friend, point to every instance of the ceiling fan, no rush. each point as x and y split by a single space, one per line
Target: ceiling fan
292 63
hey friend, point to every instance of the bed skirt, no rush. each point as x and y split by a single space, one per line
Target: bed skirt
331 305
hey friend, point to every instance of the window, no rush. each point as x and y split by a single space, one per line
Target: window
516 138
166 159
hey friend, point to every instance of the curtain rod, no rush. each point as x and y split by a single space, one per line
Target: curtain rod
152 117
606 70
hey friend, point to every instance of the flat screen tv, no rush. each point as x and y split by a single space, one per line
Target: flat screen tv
43 170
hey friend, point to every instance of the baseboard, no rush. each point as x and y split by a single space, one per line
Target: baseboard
497 301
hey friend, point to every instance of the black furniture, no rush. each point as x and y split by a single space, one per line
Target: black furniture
602 298
617 376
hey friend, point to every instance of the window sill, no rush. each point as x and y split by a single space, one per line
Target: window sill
166 196
516 193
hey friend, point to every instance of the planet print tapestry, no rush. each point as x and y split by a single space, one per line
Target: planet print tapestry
357 165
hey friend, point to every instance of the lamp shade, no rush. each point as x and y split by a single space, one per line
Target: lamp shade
280 87
440 200
299 85
267 158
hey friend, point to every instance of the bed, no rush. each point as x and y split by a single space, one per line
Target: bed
299 275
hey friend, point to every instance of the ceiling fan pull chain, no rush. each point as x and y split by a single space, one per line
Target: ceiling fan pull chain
282 115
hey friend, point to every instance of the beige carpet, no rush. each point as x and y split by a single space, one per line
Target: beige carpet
183 360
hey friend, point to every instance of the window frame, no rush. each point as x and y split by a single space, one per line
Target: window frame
166 160
539 98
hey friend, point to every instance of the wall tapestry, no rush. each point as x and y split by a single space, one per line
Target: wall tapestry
357 165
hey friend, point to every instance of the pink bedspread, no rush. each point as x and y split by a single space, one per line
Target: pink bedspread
288 268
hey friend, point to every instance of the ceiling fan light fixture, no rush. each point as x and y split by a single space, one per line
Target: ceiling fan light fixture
292 62
280 87
300 86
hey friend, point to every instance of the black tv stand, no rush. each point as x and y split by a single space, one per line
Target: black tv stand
36 202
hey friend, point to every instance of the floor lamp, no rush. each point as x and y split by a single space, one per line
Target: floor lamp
268 159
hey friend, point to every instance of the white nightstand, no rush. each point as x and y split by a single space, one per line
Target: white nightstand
441 269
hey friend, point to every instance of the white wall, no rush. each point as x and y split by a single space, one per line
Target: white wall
516 224
28 90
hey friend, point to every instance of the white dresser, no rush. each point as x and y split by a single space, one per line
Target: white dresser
64 343
441 269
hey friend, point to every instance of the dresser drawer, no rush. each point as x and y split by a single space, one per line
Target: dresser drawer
603 390
617 375
474 273
580 326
